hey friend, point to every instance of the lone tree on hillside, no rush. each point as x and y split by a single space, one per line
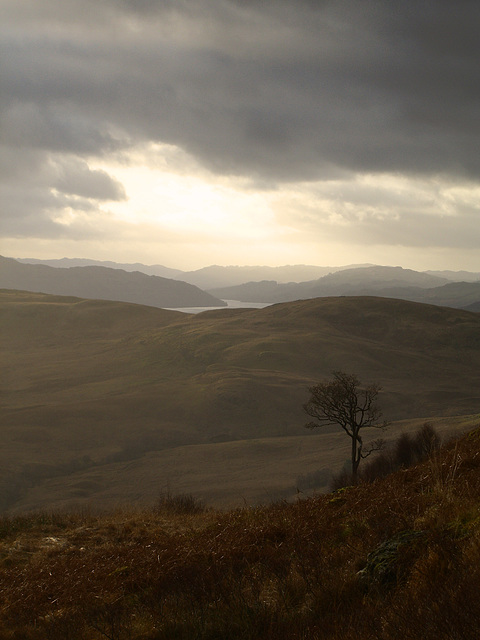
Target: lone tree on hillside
342 402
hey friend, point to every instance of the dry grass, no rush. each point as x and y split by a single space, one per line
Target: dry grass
395 559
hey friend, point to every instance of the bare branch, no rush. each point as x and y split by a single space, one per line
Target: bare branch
376 445
340 401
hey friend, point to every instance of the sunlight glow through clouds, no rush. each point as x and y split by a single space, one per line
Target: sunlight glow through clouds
190 204
178 206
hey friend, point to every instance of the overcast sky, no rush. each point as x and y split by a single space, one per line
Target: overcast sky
194 132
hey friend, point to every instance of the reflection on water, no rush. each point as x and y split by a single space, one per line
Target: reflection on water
231 304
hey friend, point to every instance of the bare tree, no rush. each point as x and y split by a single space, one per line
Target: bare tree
341 401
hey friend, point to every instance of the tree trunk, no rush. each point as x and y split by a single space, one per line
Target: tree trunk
355 460
356 455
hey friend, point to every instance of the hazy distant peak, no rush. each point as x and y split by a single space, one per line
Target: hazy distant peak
104 283
151 270
457 276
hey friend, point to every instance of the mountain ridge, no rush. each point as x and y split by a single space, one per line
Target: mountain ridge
388 282
205 277
105 284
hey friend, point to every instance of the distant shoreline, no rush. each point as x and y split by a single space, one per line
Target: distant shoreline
231 304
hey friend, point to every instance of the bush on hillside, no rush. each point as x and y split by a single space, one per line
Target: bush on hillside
406 451
181 503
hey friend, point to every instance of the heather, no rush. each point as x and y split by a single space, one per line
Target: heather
397 557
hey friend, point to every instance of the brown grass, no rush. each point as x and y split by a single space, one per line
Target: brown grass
398 558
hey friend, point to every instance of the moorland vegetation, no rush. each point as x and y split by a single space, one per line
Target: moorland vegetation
396 558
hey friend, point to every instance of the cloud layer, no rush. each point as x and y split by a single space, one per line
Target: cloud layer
314 96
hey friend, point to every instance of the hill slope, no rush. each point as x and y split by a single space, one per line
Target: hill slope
104 284
395 559
91 383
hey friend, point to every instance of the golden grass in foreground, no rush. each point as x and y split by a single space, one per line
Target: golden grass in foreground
399 558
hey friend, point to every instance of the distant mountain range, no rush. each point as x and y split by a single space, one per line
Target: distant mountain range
246 284
150 270
233 275
386 282
207 277
103 283
226 276
457 276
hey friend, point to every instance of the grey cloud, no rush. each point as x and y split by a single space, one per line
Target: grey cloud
34 212
37 186
75 177
407 213
295 90
410 229
373 88
416 230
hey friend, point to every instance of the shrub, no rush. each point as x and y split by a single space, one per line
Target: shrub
182 503
427 441
406 451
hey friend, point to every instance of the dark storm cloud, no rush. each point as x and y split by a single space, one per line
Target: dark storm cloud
76 178
368 86
276 92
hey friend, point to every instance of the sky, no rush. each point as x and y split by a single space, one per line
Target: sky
248 132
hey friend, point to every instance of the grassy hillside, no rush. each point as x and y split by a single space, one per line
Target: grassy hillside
90 384
223 475
398 558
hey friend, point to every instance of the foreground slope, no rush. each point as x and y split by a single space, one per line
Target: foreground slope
399 558
88 384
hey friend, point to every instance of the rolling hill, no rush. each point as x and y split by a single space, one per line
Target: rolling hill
104 284
97 390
